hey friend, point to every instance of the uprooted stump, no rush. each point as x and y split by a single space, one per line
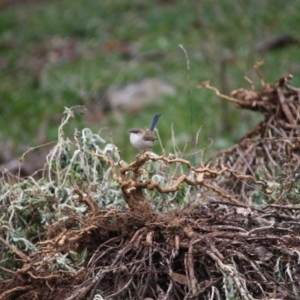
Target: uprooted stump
159 228
220 249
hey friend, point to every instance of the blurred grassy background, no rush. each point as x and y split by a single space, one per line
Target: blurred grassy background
220 37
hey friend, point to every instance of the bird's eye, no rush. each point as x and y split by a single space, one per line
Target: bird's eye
134 131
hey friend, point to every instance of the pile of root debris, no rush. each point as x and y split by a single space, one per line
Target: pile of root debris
142 244
212 251
271 150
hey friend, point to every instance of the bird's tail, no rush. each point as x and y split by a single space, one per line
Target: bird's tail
154 121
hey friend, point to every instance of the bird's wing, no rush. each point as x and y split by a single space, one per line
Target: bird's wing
149 136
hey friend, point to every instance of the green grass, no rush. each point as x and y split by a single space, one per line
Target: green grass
31 103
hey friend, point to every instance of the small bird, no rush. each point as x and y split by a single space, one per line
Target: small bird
142 139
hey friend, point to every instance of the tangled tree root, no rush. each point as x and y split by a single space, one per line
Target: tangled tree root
216 249
270 148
